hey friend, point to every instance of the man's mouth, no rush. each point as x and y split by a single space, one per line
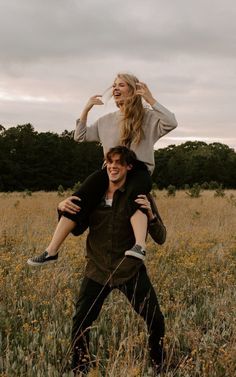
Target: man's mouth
114 172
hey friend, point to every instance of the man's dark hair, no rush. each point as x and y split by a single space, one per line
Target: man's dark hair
126 155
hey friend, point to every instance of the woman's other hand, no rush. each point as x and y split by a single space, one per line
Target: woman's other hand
143 90
68 205
144 203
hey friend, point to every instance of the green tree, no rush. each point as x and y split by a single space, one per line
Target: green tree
43 161
195 162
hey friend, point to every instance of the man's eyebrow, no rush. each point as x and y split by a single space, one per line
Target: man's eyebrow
110 159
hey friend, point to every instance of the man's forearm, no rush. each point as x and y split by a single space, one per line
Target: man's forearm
157 231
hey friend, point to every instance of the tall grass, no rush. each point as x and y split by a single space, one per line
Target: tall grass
193 274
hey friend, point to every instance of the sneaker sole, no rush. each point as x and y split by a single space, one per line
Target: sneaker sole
135 255
31 263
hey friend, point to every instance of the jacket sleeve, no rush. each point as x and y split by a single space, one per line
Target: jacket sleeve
157 231
156 228
84 133
78 229
164 120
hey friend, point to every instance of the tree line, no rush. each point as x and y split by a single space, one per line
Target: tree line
44 161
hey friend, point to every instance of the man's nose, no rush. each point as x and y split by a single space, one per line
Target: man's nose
113 164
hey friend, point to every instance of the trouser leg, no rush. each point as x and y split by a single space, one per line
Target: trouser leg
142 297
88 306
90 192
139 182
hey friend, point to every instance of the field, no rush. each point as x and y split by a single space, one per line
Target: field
193 274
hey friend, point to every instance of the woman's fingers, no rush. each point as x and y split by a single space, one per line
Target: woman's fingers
96 98
69 206
72 205
143 202
143 90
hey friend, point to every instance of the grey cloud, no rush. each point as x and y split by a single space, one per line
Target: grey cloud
67 50
32 30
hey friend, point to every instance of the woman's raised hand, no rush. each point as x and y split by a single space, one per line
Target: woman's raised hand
143 90
94 100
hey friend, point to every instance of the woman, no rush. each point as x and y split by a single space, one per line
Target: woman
134 126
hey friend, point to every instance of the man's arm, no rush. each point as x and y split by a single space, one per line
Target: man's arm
156 229
71 206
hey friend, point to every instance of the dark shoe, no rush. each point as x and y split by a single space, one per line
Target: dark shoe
81 365
80 374
42 259
157 369
82 370
158 363
136 251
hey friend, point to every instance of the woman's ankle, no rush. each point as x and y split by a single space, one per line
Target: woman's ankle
51 252
142 244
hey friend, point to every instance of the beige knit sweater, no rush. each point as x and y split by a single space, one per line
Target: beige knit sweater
157 122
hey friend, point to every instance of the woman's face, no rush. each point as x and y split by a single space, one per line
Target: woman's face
121 91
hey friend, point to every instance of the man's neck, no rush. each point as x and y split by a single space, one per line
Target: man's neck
113 187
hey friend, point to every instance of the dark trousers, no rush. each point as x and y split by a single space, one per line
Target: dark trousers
143 299
94 188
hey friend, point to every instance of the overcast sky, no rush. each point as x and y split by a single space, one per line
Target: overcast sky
55 54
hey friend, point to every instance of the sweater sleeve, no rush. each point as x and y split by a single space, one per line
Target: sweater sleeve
84 133
164 122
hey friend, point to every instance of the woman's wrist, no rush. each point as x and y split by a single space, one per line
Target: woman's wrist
84 115
151 101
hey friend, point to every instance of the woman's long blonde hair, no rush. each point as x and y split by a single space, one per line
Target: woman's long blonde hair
131 124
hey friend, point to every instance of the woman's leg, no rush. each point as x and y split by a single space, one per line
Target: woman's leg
139 182
63 229
90 192
139 224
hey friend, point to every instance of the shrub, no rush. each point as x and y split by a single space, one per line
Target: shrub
220 192
205 186
154 186
171 190
213 185
60 190
76 186
27 193
194 191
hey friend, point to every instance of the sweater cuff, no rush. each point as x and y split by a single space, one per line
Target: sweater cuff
157 106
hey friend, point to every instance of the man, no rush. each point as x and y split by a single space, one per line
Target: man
110 233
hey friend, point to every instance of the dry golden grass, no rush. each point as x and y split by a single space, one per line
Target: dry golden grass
193 274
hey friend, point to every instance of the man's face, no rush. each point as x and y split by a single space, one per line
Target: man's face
116 171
